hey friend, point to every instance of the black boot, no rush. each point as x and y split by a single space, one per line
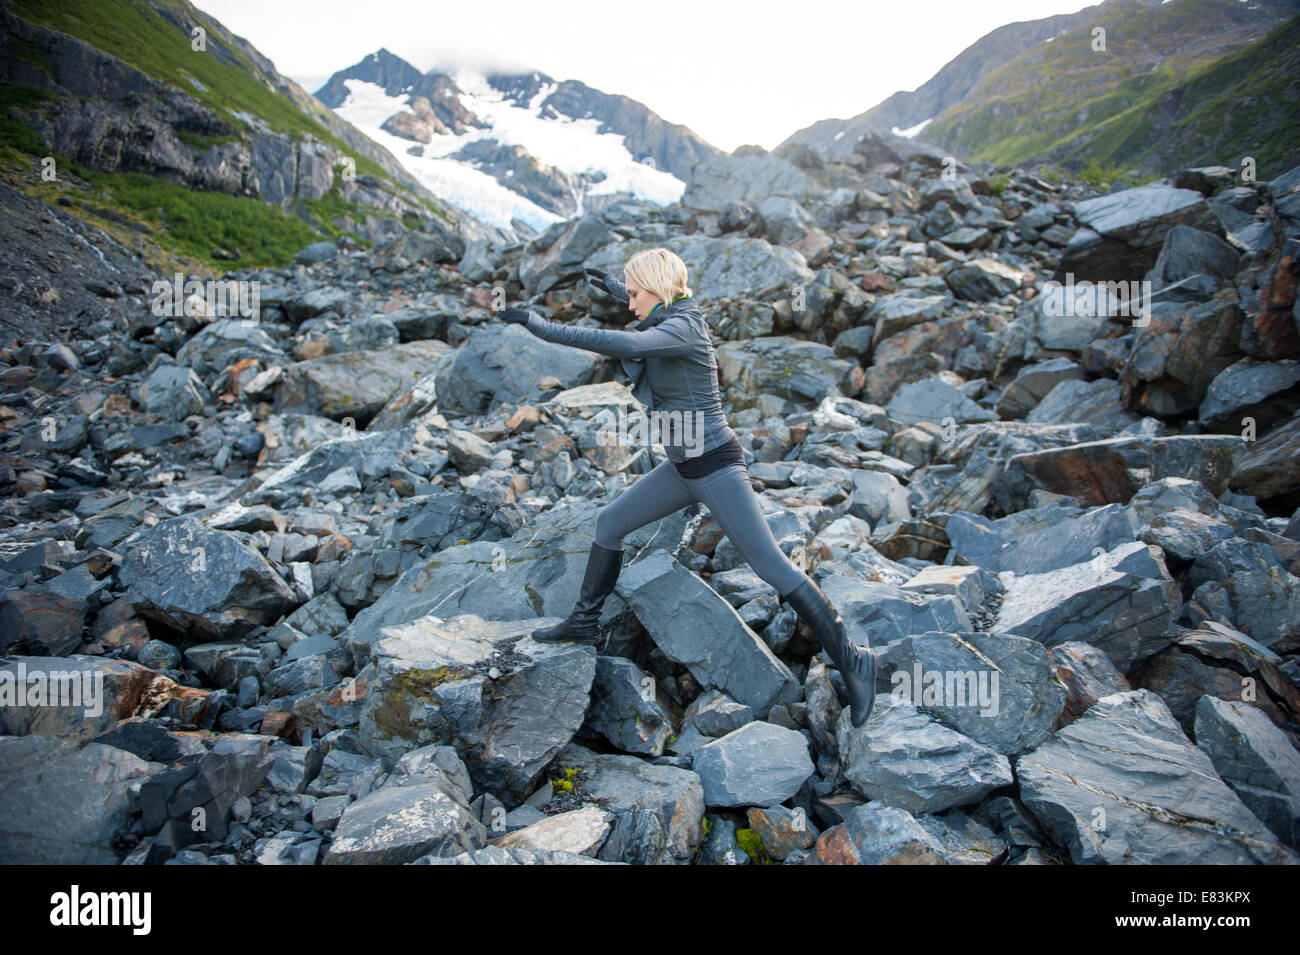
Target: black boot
856 664
582 626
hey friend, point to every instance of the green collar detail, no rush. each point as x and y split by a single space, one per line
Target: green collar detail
658 304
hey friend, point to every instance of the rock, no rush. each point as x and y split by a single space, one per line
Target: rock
719 180
657 809
983 279
172 392
1121 233
1239 387
1122 784
1178 353
316 252
876 614
77 698
720 846
495 855
209 583
356 384
1063 542
732 267
36 620
934 400
192 799
715 714
624 710
777 365
717 648
904 758
556 257
1270 467
1120 602
965 840
1189 252
581 832
1256 760
293 767
400 824
1033 383
783 831
504 363
47 813
892 314
876 834
1111 471
758 764
1264 598
439 765
1095 402
997 689
433 684
1087 675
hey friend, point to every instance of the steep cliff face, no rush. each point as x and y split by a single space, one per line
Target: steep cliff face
164 91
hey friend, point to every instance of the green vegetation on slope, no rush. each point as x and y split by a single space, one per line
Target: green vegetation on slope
1089 109
221 78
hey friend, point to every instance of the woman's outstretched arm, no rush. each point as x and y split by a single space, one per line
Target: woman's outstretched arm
672 336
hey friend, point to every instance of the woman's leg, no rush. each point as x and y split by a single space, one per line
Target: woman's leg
655 495
732 501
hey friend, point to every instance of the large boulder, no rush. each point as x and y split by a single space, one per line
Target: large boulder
718 180
997 689
357 384
506 703
695 626
791 368
657 809
207 583
62 803
1122 784
1123 602
1121 233
759 764
905 758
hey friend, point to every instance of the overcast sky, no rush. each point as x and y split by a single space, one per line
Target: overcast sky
735 73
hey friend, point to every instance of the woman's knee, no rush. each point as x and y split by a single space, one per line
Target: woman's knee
608 531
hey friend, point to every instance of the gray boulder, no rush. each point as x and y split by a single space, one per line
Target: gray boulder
506 706
205 582
696 627
1122 785
1256 759
1122 601
905 758
398 824
997 689
759 764
62 803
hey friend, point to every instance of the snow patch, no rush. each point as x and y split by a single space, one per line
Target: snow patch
571 145
911 130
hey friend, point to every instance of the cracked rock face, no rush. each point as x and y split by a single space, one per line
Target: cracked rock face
1123 784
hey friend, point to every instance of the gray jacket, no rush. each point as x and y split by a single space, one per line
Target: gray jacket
672 366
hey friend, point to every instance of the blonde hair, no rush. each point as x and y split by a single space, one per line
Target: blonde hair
659 271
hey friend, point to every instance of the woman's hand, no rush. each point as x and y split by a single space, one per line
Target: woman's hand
516 316
597 280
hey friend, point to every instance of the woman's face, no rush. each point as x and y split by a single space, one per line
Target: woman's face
638 299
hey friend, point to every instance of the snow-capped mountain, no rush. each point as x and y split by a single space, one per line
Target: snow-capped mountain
518 151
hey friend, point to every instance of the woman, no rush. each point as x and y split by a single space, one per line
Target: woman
671 363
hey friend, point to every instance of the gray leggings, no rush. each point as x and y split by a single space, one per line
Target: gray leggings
729 497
